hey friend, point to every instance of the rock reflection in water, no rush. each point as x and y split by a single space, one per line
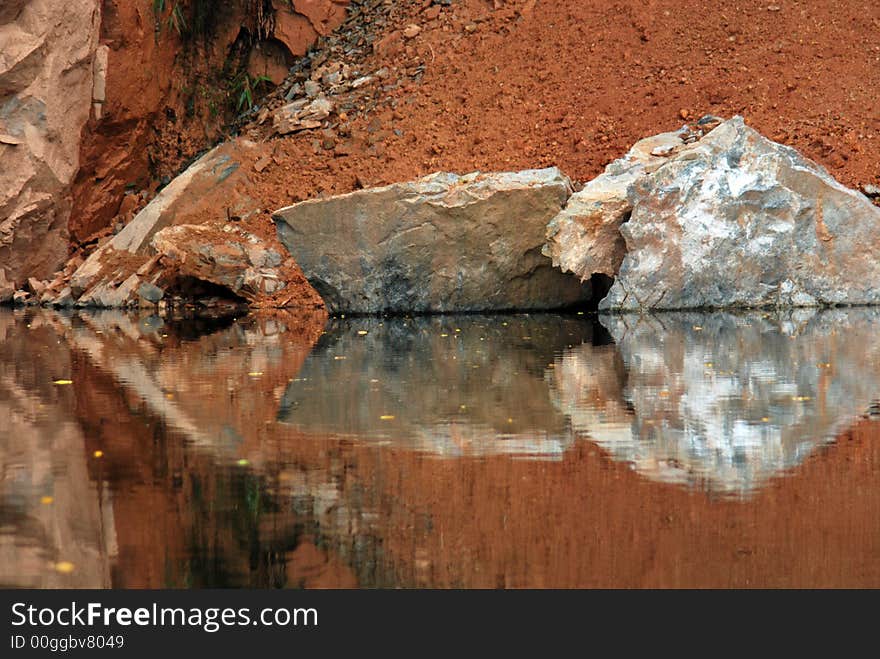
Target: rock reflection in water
721 401
244 453
448 385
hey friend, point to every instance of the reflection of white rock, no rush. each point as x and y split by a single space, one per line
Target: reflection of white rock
721 400
466 439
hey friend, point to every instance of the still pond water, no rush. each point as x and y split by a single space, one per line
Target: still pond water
457 451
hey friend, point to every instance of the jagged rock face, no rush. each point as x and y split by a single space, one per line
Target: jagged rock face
46 53
441 243
584 238
298 24
232 258
190 234
735 220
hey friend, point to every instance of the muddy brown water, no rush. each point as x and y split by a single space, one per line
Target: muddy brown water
676 450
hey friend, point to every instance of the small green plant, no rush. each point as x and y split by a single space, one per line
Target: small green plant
175 14
244 87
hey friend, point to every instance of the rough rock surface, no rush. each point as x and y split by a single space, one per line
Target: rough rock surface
441 243
736 220
46 51
211 177
584 238
725 219
188 243
231 258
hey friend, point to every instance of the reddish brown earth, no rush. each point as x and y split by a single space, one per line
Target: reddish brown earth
517 83
170 95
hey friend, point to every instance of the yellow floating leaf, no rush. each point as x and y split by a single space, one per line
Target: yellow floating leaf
98 454
697 328
62 382
765 419
457 330
387 417
46 500
444 335
509 420
663 393
242 462
362 332
169 396
255 374
64 567
580 313
338 357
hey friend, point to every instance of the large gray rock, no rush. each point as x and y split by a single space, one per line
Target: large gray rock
729 220
441 243
738 220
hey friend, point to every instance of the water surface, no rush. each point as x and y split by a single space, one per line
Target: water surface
455 451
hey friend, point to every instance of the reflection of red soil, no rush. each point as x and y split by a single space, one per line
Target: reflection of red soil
590 522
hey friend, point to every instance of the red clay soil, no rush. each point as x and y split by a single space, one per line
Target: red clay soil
523 83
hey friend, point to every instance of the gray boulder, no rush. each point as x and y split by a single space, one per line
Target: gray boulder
729 219
441 243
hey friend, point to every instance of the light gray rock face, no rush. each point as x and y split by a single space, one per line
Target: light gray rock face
735 220
441 243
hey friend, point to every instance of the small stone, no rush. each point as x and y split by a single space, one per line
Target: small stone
150 292
411 31
663 151
360 82
433 12
311 88
293 92
20 298
684 114
63 299
36 286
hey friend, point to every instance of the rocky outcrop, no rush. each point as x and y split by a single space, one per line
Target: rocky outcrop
188 243
729 219
441 243
46 73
